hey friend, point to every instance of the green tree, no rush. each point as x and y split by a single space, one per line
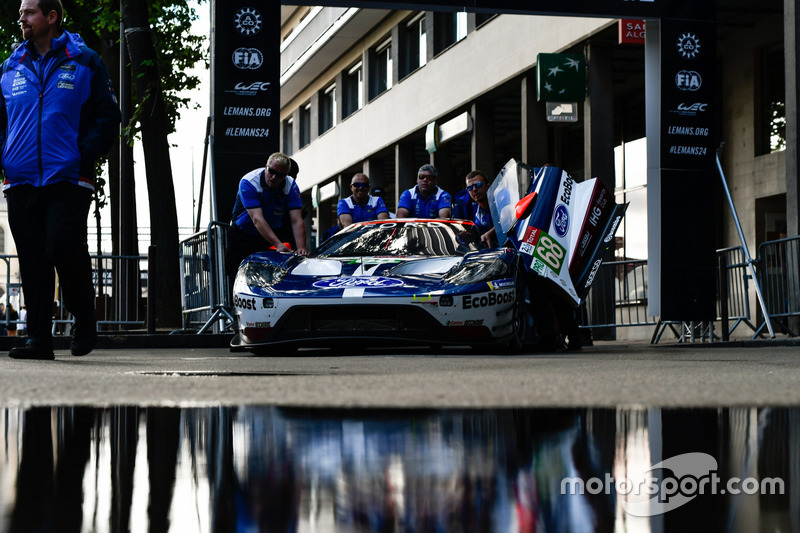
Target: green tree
162 49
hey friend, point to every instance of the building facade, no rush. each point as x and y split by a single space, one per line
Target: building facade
359 88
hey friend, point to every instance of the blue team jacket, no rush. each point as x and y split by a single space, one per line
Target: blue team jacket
58 114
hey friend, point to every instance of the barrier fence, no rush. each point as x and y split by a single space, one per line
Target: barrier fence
619 295
778 267
120 287
205 287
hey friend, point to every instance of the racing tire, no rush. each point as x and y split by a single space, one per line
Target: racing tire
519 319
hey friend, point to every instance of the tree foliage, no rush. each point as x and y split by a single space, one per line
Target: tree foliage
177 49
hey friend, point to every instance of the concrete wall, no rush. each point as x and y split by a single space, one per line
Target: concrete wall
749 176
486 58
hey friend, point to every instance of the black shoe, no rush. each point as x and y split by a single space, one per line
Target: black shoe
32 351
82 344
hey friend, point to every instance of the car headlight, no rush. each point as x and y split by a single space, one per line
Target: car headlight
479 270
259 274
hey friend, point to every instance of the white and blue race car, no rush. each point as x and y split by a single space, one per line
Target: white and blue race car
387 282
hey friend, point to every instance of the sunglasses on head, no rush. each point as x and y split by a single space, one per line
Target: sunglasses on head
428 177
360 185
477 186
276 173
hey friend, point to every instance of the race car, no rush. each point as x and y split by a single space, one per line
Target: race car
384 282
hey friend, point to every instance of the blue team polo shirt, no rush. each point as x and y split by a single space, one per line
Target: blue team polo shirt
481 217
412 200
360 213
253 192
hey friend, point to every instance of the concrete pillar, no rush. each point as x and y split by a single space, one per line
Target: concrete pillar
441 159
791 55
373 168
598 157
535 146
482 137
599 115
404 169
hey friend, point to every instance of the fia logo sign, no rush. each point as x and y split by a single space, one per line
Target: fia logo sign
248 58
688 80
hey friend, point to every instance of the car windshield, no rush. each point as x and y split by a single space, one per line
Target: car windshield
402 238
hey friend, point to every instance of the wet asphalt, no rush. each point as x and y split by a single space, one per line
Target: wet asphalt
201 371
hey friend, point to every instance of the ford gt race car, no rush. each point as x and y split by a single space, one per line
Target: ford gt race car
385 282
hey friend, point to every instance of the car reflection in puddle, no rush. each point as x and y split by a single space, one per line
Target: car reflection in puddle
254 468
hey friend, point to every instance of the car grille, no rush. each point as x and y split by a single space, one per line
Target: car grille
356 320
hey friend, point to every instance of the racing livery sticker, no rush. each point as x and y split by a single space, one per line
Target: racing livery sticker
500 284
360 281
475 301
550 252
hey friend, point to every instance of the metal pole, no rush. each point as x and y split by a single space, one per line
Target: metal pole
746 250
202 176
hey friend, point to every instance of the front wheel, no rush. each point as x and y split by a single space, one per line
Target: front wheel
519 320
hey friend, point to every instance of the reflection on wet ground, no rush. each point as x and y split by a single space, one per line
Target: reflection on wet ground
255 468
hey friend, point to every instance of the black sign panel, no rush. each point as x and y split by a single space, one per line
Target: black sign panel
245 93
688 109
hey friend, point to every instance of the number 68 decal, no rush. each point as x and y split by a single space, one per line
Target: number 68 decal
550 252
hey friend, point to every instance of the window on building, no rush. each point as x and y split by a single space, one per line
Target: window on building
413 45
288 136
771 113
327 109
352 90
448 29
381 71
305 125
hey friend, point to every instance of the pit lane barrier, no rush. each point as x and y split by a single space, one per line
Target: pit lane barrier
625 294
120 288
205 291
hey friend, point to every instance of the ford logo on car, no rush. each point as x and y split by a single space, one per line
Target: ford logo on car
360 281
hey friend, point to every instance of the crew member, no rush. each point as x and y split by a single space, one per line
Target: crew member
426 199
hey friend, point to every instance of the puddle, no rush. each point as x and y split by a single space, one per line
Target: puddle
261 468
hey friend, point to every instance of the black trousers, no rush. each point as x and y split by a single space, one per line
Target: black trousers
49 228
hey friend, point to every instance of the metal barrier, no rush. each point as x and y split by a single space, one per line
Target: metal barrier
618 297
733 295
627 304
779 275
205 289
119 288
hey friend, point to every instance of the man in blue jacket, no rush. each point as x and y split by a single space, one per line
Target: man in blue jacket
361 205
58 114
426 199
